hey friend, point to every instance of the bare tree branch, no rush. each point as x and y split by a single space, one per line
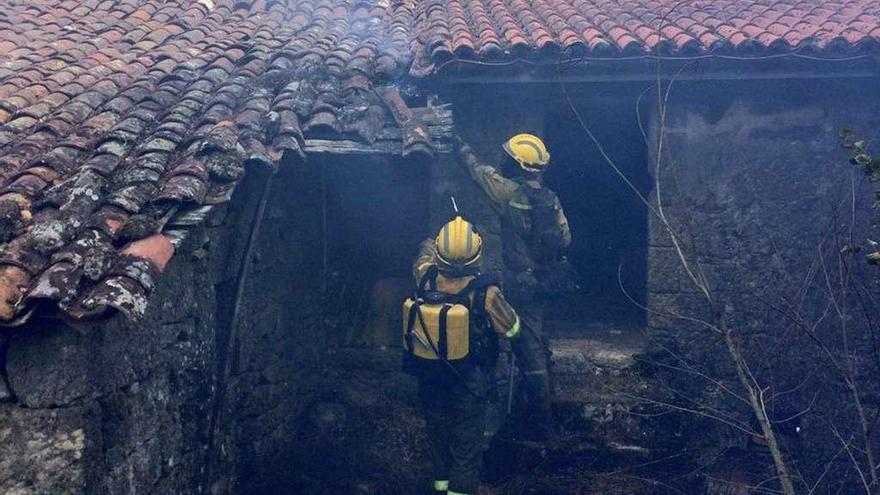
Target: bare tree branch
846 446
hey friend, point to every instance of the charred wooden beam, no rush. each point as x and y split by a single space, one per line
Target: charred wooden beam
387 147
437 121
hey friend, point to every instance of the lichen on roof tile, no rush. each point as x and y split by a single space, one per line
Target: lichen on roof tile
114 115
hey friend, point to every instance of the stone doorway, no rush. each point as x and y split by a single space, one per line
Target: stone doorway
607 219
376 213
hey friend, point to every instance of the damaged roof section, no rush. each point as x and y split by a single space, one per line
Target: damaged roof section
554 30
118 116
122 120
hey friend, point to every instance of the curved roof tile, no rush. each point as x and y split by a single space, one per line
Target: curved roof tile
669 27
116 115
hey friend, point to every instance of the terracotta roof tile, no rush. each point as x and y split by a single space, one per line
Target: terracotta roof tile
522 28
116 115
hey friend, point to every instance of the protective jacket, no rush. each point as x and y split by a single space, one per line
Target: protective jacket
453 393
535 226
500 317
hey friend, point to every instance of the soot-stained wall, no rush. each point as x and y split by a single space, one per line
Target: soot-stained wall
375 212
755 178
147 407
121 408
755 182
277 351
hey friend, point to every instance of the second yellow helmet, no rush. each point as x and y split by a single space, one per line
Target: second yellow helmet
529 151
458 244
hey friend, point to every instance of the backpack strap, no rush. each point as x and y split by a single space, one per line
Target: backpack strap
480 282
479 306
410 325
429 279
442 344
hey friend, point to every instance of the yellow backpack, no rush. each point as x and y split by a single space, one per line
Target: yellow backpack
438 326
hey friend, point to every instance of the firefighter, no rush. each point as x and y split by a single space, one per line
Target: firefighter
534 234
451 330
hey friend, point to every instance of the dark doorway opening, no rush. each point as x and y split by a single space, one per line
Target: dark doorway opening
376 212
608 221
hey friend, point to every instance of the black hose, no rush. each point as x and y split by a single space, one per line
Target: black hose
232 338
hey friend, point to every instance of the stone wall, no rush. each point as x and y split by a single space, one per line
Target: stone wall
758 189
753 179
122 407
277 352
114 407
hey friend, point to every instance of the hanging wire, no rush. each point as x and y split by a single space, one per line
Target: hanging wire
660 58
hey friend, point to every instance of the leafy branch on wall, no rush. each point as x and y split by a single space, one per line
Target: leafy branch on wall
870 165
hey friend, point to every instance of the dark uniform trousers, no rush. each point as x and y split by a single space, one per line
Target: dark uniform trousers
455 413
533 355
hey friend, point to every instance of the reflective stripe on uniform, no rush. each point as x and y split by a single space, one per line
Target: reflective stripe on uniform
441 485
520 206
422 268
514 330
450 492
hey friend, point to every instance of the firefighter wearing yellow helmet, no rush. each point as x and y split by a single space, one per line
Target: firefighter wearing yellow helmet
528 151
450 335
458 244
534 235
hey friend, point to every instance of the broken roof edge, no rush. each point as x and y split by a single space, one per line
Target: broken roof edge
420 133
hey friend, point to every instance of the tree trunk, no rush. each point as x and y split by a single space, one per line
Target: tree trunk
757 407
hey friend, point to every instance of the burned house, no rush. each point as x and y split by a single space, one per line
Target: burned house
209 207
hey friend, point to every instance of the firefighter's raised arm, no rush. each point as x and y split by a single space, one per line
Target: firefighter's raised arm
500 189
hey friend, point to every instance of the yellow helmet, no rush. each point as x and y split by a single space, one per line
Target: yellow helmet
458 244
529 151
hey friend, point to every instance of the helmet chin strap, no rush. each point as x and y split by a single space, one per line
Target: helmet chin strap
457 272
529 168
467 269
